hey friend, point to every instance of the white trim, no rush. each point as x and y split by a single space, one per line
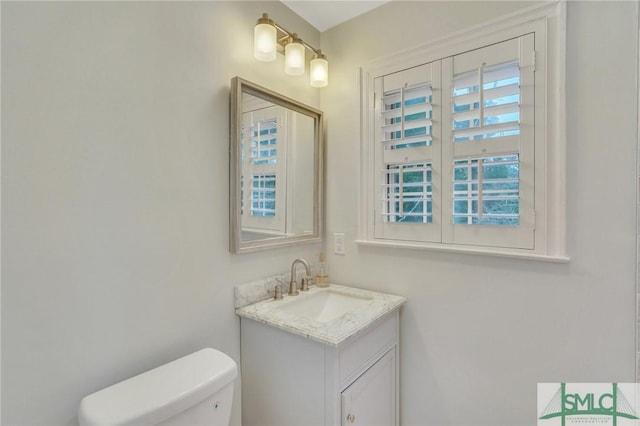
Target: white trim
471 38
497 252
548 19
556 137
366 215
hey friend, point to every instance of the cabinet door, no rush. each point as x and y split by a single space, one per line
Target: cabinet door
371 399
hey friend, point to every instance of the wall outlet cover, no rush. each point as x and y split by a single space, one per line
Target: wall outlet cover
338 243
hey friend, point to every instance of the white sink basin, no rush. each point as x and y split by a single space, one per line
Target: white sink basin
327 315
325 305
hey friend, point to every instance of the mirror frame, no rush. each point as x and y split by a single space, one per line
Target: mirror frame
240 86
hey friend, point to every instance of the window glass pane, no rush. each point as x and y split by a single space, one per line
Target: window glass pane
495 187
407 193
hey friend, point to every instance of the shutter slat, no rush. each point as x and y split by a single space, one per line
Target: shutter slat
493 93
486 130
417 92
409 109
502 91
489 112
504 109
490 75
411 124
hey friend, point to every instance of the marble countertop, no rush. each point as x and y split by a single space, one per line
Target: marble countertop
332 333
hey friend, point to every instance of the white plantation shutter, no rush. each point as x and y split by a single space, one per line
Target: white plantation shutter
264 140
407 155
454 150
488 146
464 144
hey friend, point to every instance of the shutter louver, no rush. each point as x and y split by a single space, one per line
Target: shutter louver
407 118
486 103
407 138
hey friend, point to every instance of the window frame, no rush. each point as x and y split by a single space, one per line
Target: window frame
548 22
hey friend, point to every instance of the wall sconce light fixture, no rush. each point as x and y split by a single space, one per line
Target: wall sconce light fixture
267 36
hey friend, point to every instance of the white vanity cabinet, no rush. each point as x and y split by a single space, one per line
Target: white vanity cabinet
288 379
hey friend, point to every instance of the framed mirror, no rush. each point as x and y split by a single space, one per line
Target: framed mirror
276 170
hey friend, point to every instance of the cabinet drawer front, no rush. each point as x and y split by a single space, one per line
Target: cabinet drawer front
365 350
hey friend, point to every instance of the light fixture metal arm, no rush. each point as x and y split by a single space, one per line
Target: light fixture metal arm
288 35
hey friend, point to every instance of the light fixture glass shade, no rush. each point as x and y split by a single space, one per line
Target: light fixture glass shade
319 71
294 60
265 40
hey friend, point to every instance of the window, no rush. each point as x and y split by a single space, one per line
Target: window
456 150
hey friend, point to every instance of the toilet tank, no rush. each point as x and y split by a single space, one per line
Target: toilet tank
194 390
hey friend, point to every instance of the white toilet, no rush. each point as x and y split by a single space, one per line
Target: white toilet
194 390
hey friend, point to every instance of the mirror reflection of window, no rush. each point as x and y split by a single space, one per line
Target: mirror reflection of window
264 147
263 195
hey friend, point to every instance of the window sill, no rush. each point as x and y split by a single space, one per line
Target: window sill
450 248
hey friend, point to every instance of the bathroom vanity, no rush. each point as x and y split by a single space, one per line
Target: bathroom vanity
326 357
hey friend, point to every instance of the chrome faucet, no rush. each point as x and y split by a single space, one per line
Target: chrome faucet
293 284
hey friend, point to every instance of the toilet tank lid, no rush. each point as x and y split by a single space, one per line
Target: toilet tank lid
161 393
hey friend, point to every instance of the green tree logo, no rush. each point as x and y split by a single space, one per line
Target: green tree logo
564 404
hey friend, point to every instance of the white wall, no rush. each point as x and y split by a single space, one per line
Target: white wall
115 191
478 333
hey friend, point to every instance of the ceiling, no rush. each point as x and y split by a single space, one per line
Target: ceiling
326 14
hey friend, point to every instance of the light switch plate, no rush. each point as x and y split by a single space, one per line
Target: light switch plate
338 243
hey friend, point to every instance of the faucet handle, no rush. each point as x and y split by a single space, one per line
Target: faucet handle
304 285
278 292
